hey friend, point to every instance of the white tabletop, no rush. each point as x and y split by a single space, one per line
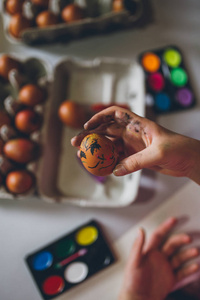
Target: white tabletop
27 225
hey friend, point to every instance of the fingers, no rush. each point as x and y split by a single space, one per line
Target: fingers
174 243
160 234
137 250
113 113
76 140
113 122
184 256
186 271
146 158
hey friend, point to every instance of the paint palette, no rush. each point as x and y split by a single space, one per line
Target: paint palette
70 260
168 85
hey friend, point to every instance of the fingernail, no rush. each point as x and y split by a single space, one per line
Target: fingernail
85 125
73 139
120 170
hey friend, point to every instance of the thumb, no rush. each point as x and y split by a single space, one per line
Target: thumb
143 159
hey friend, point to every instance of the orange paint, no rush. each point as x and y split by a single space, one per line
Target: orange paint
151 62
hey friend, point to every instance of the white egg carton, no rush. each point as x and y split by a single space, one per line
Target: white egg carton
99 19
103 80
60 176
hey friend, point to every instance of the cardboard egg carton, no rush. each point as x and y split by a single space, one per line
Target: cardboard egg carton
30 71
60 177
99 18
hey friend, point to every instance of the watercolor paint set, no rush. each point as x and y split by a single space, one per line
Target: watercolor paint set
70 260
168 86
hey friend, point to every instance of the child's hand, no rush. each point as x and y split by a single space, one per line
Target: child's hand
152 271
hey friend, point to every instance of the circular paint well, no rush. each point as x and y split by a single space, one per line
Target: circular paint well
42 260
53 285
184 97
76 272
179 77
162 102
172 57
86 235
156 82
151 62
65 248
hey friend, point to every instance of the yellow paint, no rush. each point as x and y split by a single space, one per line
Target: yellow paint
87 235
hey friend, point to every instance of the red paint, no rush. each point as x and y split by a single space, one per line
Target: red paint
53 285
156 82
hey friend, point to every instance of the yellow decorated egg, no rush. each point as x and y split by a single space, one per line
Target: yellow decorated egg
98 154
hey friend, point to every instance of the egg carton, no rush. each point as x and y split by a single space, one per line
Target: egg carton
100 18
30 71
60 176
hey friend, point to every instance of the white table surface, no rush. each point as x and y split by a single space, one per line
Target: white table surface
27 225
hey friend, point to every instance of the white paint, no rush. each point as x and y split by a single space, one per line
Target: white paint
76 272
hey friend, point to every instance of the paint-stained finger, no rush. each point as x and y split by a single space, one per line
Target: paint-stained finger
174 242
182 257
113 113
160 234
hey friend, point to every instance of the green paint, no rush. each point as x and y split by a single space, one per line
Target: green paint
179 77
65 248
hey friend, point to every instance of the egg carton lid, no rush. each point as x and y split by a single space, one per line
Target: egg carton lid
102 80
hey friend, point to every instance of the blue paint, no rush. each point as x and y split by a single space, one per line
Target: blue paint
162 102
42 260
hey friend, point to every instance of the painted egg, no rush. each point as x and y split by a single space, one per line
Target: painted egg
98 154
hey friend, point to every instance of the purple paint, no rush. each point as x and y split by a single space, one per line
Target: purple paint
184 97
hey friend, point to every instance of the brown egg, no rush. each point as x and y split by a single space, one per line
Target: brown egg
98 154
46 18
72 114
21 150
18 24
8 63
19 181
72 13
118 5
4 119
27 121
31 95
42 3
14 6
